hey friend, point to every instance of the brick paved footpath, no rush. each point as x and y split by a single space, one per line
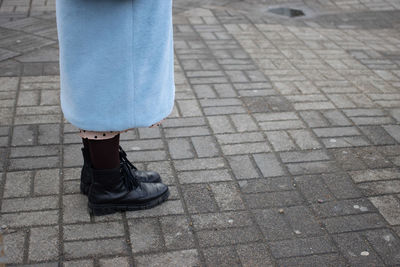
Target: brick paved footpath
282 150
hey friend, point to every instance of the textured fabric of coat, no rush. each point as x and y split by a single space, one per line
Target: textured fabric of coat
116 62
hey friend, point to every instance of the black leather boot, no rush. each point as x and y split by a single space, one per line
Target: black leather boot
142 176
86 175
114 190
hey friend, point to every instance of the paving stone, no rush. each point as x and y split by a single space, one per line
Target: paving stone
343 207
105 247
176 232
182 122
145 235
245 148
380 187
34 151
314 118
43 243
198 198
180 149
221 220
353 223
377 135
340 185
209 111
386 244
281 125
18 184
273 199
164 169
375 121
242 167
9 83
304 139
224 139
221 124
29 204
204 176
221 256
389 207
313 188
352 247
136 145
303 156
92 231
273 224
229 236
205 146
374 175
117 261
389 151
189 108
179 258
71 187
255 254
336 131
268 165
170 207
46 182
244 123
10 68
220 102
331 260
149 133
312 167
14 247
34 163
199 164
266 185
3 143
345 142
23 135
28 118
302 221
49 97
187 131
71 173
30 98
302 247
280 140
73 155
147 156
75 209
227 196
348 160
34 218
393 130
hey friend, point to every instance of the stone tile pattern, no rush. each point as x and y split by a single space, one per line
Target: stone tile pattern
282 149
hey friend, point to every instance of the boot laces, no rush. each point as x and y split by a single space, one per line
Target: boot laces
124 158
130 179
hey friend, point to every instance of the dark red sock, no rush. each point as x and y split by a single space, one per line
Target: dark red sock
104 154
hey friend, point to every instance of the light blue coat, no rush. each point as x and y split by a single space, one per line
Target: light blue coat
116 62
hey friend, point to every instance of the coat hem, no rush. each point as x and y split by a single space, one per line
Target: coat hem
157 119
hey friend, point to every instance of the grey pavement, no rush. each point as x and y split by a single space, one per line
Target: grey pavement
282 149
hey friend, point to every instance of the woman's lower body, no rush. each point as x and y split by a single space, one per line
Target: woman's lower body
117 73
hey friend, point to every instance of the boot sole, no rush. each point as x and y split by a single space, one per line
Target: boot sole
85 187
99 210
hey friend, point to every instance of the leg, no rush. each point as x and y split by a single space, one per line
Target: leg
104 154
